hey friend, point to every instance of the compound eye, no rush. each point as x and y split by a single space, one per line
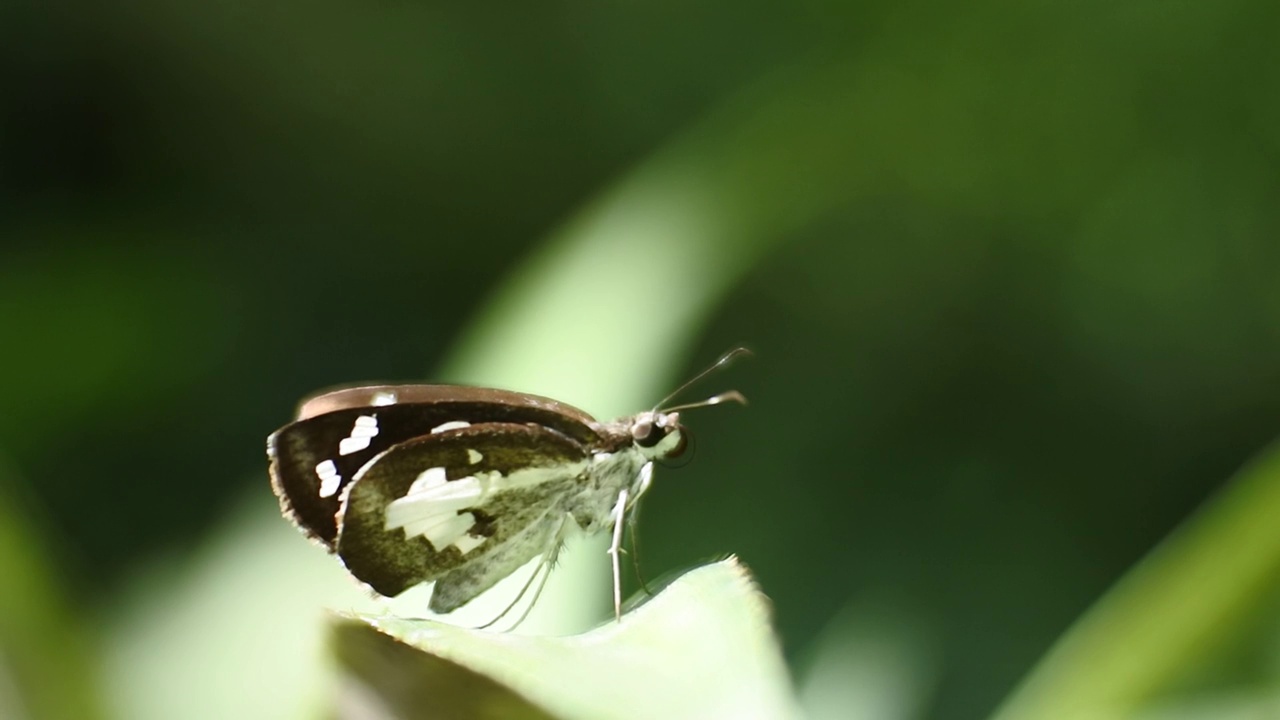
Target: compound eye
647 434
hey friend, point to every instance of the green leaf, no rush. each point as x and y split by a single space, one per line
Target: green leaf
1185 604
701 648
396 680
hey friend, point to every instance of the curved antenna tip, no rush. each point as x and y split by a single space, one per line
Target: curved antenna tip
724 397
733 354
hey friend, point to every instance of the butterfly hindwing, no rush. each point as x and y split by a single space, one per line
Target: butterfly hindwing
458 586
486 497
315 458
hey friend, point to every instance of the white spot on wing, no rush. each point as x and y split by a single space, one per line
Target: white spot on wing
451 425
365 429
429 478
351 445
430 504
474 456
442 530
468 542
327 471
430 508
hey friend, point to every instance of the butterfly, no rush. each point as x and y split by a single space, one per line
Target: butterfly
461 486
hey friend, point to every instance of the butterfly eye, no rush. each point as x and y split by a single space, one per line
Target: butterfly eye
647 434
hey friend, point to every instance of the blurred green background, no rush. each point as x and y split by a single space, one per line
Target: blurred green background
1009 270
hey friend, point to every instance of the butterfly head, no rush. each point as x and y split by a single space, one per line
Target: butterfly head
658 435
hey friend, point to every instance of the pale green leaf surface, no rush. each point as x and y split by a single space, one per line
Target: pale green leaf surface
701 648
387 679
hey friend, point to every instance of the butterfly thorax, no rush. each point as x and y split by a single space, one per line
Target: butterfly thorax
605 477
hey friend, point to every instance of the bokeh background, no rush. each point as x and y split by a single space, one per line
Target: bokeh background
1009 270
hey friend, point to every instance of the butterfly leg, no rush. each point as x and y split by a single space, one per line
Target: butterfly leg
545 566
549 562
619 513
642 486
543 569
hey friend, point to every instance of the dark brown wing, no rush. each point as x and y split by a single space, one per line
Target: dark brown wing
514 524
344 398
304 452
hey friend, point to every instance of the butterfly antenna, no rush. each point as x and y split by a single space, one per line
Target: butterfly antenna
731 396
725 359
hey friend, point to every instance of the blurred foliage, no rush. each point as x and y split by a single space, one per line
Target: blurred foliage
1009 269
1206 591
45 667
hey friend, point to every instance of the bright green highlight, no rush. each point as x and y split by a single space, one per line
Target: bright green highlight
1195 594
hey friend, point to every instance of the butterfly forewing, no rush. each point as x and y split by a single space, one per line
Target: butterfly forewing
316 457
488 497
